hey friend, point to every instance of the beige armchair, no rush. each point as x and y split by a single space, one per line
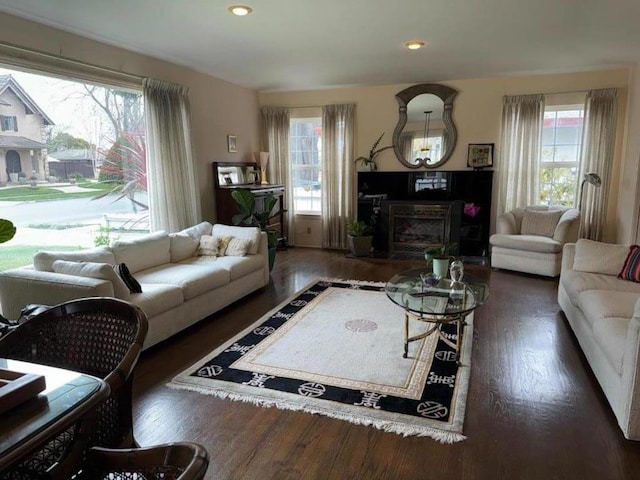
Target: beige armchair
530 239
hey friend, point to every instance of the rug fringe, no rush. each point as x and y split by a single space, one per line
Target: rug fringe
439 435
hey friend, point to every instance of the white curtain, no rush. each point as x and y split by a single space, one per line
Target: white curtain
274 131
598 143
337 173
174 195
519 169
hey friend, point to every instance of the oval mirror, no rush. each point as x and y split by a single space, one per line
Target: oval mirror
425 135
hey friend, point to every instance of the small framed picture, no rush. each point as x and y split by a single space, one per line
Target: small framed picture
480 155
232 146
228 180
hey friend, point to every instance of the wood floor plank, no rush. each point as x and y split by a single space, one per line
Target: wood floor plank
534 409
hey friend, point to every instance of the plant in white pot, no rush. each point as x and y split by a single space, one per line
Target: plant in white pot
440 256
359 237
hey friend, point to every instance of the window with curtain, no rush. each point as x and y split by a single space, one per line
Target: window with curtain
305 155
433 144
560 154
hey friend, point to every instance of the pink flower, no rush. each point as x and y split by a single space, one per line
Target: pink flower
471 209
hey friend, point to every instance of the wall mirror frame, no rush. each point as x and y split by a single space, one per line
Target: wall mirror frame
446 94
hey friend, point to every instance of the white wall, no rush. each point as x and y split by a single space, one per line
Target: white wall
477 114
218 108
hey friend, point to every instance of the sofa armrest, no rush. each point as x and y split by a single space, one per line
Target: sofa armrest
506 224
630 395
21 286
567 229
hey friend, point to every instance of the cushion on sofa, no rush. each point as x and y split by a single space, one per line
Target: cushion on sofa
530 243
611 336
598 257
143 252
194 280
103 271
536 222
44 260
184 243
157 298
599 304
631 268
238 267
237 247
577 282
250 233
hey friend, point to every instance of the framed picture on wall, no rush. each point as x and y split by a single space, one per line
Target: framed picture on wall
480 155
232 141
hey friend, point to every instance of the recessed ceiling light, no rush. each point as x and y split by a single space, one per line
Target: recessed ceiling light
414 44
240 10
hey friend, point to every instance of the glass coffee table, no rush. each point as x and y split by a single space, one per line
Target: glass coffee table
437 302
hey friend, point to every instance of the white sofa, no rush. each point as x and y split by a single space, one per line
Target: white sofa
604 314
533 244
179 287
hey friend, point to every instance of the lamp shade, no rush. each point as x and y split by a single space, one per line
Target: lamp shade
593 178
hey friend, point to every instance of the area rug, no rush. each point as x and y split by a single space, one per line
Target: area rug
335 349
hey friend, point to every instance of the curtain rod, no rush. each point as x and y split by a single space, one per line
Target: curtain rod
29 58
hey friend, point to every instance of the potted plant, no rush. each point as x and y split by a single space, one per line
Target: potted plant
360 238
22 178
440 256
251 215
370 160
33 180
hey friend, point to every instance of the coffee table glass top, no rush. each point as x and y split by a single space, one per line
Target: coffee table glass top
444 298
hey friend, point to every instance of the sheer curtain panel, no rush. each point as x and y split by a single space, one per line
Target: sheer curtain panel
274 130
519 170
174 194
337 173
598 144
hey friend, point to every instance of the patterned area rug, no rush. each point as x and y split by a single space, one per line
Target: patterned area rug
335 349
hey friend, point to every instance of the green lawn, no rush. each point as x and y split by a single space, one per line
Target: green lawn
21 255
45 194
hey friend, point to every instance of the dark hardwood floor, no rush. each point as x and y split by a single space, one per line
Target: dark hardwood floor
534 409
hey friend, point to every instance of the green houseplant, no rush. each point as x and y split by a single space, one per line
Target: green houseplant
257 216
359 237
7 230
440 256
370 160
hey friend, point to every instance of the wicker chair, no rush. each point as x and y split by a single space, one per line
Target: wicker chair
183 461
102 337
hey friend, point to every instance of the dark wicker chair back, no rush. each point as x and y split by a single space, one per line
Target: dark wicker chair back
180 461
102 337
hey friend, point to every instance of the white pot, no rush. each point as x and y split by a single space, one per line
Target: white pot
441 267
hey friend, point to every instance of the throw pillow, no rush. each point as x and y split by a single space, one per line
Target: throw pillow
598 257
129 280
208 246
101 271
250 233
631 268
238 247
540 223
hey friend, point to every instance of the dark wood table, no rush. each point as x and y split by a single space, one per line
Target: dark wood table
69 396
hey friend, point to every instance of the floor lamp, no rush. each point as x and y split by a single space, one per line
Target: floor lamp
595 180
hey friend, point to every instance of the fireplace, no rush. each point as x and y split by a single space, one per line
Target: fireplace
414 210
414 226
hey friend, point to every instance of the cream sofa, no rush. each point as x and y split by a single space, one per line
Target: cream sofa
179 287
604 314
534 246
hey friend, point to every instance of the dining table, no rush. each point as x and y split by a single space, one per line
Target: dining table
68 397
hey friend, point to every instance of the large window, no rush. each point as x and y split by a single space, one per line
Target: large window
75 175
560 154
431 148
305 153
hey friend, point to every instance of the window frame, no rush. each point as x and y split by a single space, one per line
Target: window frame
308 116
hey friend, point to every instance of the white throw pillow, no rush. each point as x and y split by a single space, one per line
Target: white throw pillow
184 244
102 271
544 224
249 233
43 261
598 257
238 247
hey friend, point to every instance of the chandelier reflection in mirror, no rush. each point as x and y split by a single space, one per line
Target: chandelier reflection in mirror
426 146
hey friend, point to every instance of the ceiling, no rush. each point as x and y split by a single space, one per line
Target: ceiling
310 44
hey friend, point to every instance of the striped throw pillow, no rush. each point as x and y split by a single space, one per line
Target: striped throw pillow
631 268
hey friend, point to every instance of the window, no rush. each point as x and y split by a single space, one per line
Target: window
305 153
433 144
8 123
83 154
560 154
